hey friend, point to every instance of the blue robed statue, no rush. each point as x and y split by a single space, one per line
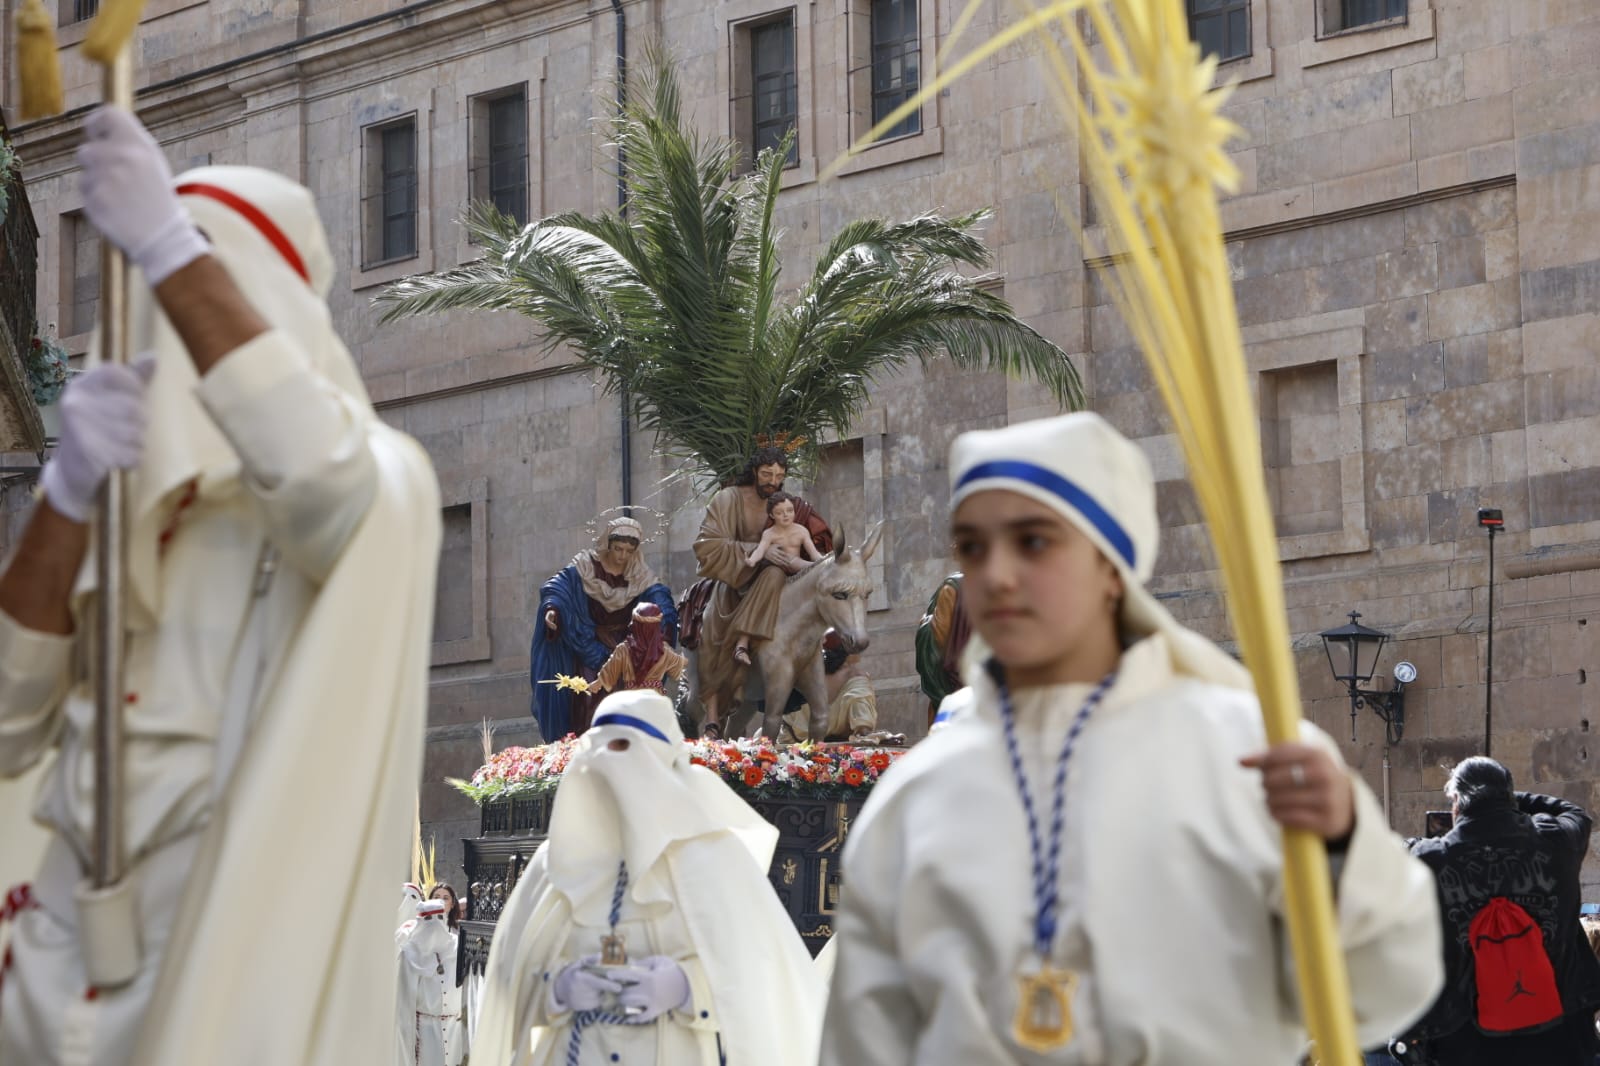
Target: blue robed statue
583 615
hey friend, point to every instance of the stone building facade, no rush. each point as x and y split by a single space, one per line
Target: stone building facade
1416 245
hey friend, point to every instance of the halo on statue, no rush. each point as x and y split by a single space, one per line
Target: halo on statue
601 522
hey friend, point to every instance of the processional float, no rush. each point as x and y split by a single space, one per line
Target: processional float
106 902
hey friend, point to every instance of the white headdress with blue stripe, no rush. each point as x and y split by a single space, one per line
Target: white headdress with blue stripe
1097 479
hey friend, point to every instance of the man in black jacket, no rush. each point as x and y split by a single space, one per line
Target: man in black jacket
1529 849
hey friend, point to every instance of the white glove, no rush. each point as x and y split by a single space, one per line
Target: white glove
127 194
579 987
652 987
102 429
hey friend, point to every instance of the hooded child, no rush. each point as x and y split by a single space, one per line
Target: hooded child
644 929
1114 786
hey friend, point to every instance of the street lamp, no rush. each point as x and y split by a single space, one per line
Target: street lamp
1353 651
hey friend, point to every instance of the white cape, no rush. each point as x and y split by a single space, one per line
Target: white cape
762 982
326 784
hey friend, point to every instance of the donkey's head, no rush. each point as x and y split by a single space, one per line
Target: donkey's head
842 588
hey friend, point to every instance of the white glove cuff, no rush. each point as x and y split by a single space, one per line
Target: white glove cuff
60 496
173 247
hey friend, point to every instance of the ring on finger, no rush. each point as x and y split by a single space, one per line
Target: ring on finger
1297 774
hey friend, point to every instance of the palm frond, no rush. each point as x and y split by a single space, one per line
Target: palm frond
677 302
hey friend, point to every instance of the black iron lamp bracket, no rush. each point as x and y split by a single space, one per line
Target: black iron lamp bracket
1389 706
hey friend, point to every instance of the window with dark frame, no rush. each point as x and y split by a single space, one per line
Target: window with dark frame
896 63
500 152
82 10
391 193
1354 13
774 89
80 254
1221 27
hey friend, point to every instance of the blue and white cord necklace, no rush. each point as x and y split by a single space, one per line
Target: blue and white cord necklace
612 953
1043 1020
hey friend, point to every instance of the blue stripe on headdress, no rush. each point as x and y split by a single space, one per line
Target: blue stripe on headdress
1069 493
612 718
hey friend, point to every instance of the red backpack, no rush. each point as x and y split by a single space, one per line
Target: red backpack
1516 983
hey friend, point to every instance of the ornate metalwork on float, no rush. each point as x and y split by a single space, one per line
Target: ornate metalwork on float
805 869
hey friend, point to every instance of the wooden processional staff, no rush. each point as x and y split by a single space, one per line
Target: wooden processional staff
107 44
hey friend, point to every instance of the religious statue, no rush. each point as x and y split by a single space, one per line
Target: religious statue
941 636
852 704
584 611
742 604
783 535
643 660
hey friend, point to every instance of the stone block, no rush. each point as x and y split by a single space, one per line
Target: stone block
1461 126
1266 208
1508 452
1410 471
1325 156
1461 216
1562 395
1466 361
1441 171
1408 271
1459 662
1429 85
1386 425
1561 342
1501 256
1462 262
1564 497
1463 412
1397 325
1556 447
1563 149
1394 523
1419 370
1452 514
1335 105
1494 305
1487 72
1555 103
1371 187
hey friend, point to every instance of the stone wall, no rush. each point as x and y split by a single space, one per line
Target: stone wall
1415 244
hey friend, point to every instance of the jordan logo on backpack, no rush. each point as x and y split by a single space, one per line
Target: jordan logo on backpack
1516 983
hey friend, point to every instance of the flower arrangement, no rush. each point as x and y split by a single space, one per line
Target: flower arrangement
48 370
755 768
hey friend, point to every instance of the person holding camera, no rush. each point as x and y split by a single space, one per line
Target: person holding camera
1521 985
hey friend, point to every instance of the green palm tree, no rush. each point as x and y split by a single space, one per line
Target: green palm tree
676 304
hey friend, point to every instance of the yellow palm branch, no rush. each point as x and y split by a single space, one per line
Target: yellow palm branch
1152 142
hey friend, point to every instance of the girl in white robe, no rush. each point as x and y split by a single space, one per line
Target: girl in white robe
1083 866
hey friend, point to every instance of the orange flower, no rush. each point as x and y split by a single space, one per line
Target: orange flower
697 760
766 756
753 776
879 761
730 752
853 776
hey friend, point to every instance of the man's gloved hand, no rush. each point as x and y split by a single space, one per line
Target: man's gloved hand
651 987
102 429
127 194
578 987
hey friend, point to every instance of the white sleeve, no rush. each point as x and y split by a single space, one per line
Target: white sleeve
35 674
872 1019
1388 915
304 447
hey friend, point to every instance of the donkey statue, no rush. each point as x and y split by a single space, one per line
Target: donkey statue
831 594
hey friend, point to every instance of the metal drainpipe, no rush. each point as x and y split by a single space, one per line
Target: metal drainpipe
622 207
